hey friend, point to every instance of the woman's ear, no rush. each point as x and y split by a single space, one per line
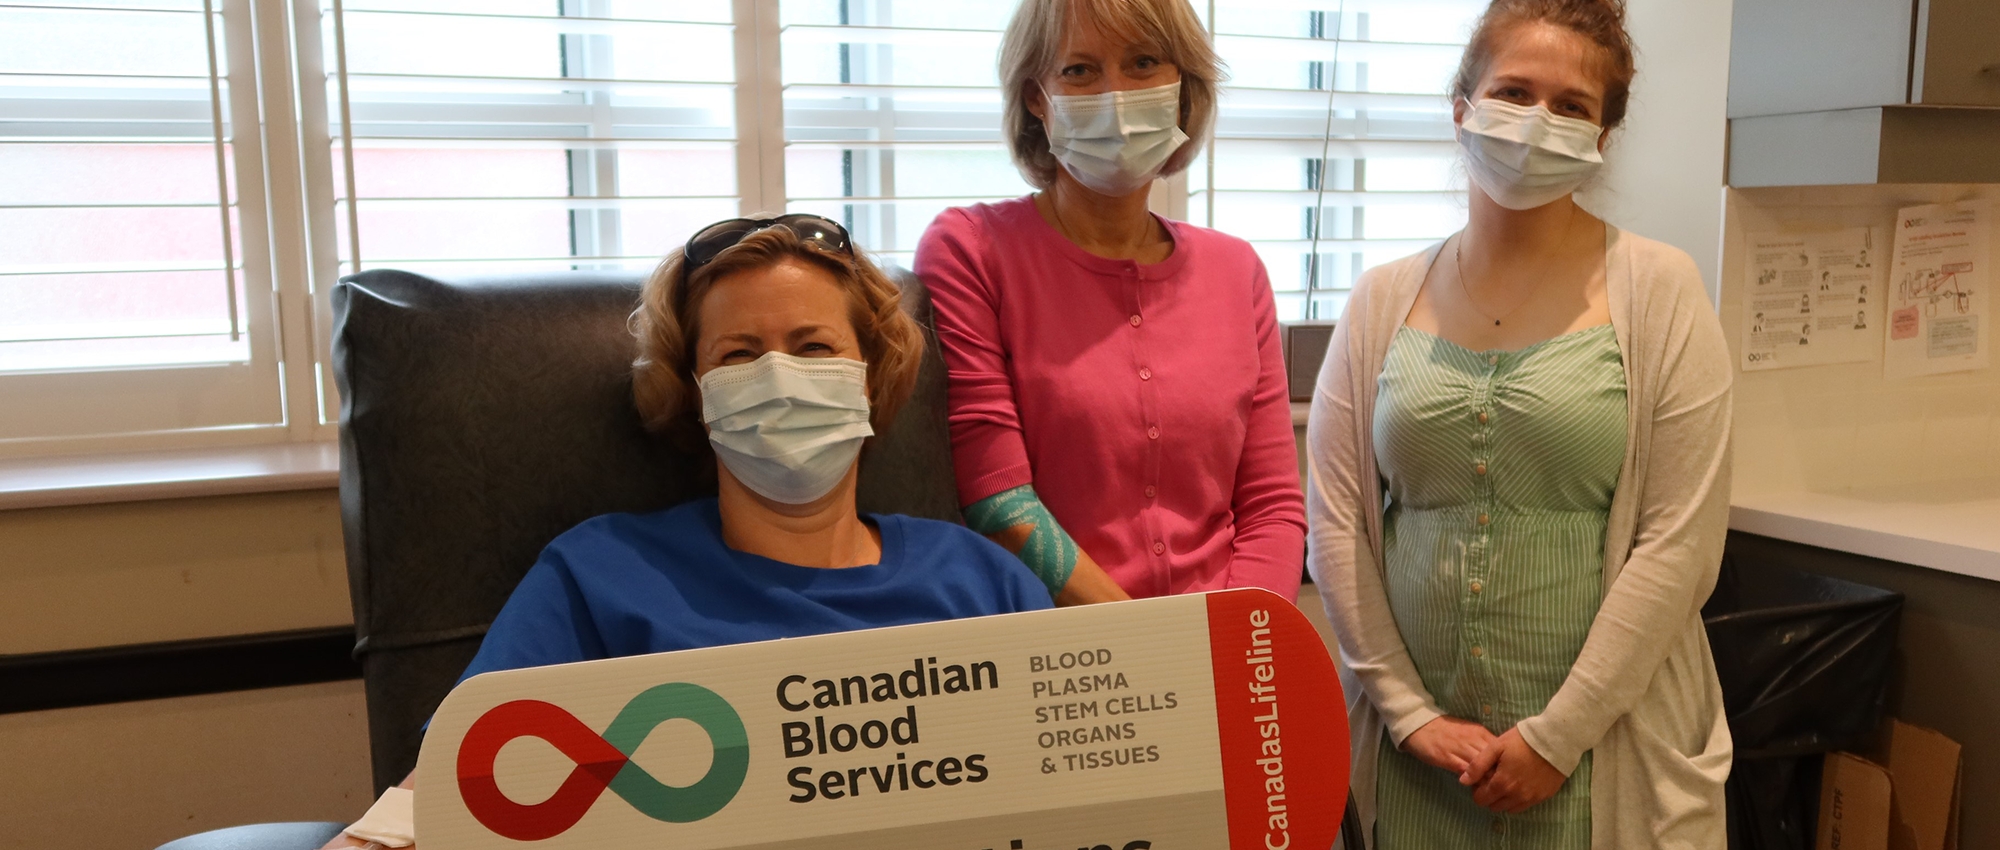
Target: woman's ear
1458 110
1038 104
1603 139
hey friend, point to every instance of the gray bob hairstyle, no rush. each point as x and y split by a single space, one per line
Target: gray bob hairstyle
1032 49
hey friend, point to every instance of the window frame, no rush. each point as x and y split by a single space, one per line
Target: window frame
199 405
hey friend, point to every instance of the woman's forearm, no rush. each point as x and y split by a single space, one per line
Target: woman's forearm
1269 547
1340 493
1089 583
1018 521
1676 551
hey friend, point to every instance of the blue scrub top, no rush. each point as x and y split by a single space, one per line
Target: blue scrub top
632 584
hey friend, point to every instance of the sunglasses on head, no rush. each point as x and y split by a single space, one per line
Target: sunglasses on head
709 242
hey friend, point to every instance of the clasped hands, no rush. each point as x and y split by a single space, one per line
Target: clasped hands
1506 774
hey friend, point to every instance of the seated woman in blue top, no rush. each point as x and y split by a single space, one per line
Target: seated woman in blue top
779 347
786 346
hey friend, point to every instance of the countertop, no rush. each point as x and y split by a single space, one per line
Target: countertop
1954 526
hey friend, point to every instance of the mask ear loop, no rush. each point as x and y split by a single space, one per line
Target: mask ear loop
1048 112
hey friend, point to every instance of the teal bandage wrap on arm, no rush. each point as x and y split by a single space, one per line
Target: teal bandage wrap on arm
1049 552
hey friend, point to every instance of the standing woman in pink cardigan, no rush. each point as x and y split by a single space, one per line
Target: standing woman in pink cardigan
1119 415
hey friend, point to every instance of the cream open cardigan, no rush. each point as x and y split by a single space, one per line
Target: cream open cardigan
1643 694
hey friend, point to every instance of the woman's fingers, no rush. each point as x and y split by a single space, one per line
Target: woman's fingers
1449 743
1475 741
1481 767
1511 788
1431 743
1439 755
1494 792
1452 762
1465 746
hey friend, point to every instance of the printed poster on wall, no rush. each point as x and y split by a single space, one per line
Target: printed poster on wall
1200 722
1939 318
1813 299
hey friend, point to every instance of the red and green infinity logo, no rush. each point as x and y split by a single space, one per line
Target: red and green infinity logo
602 762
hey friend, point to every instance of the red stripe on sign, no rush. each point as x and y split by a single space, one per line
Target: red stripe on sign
1281 720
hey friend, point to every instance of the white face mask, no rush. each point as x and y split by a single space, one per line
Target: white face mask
1115 142
788 427
1526 156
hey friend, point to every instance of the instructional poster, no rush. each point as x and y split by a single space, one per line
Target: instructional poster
1812 299
1939 320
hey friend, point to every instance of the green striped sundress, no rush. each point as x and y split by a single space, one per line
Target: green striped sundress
1499 469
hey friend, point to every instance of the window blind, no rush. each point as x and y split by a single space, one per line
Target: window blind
1389 182
522 135
119 239
892 114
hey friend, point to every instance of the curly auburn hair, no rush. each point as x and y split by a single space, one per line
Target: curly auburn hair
667 324
1600 21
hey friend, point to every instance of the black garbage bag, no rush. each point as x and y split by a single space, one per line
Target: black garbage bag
1804 662
1774 802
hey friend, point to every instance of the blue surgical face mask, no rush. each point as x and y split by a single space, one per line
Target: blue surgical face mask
788 427
1115 143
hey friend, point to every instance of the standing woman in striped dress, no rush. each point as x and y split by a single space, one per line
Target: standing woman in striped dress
1520 487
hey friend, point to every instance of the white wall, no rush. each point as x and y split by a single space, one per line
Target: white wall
134 775
174 569
1666 168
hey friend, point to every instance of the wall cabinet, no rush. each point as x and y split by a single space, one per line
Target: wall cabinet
1957 53
1864 91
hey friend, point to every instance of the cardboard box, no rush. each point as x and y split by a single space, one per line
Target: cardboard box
1905 796
1854 804
1923 768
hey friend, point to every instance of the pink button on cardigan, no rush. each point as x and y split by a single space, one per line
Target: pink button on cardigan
1146 403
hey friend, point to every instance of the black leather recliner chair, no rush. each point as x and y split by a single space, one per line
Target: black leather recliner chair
481 417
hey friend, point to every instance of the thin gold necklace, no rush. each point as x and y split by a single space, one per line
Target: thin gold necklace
1063 228
1458 264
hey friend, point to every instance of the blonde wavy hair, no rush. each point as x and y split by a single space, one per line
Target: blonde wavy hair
1032 48
667 324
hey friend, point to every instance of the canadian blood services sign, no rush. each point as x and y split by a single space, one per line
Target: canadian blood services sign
1205 721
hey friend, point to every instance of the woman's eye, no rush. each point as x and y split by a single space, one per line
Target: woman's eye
816 349
1147 62
741 355
1075 71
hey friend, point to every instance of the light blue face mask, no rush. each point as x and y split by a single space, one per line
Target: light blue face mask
1115 143
788 427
